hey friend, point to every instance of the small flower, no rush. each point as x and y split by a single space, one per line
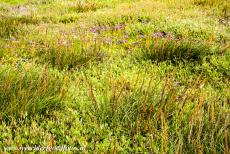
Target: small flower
64 42
94 30
73 30
142 36
161 34
98 29
120 26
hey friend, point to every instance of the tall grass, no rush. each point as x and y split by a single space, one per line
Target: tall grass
158 50
173 118
12 26
62 52
84 6
71 55
29 91
117 76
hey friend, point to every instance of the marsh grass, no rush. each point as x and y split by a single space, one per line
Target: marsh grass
11 26
84 7
63 52
153 109
211 3
158 50
73 54
29 92
133 77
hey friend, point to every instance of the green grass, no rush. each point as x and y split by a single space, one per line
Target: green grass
115 76
29 91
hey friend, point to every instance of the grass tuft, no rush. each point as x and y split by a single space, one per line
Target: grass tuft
29 91
84 7
158 50
12 26
69 55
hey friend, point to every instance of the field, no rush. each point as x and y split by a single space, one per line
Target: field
115 76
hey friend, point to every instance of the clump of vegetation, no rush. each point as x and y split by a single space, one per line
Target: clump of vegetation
68 19
204 2
172 50
12 26
69 55
30 91
84 7
152 109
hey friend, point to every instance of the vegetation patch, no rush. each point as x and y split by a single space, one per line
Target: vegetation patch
151 107
68 55
12 26
84 7
115 76
30 91
158 50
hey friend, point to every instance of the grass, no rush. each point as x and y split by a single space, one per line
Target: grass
10 26
174 51
26 91
152 78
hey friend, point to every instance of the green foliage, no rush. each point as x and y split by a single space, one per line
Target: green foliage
115 76
84 7
13 1
10 26
29 91
173 51
71 55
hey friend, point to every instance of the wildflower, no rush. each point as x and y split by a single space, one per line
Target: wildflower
120 26
161 34
98 29
94 30
142 36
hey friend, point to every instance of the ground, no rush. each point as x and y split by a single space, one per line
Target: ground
115 76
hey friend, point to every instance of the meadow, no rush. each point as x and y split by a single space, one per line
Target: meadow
115 76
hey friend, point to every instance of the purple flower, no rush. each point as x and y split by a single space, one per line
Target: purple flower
98 29
142 36
94 30
161 34
104 28
120 26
